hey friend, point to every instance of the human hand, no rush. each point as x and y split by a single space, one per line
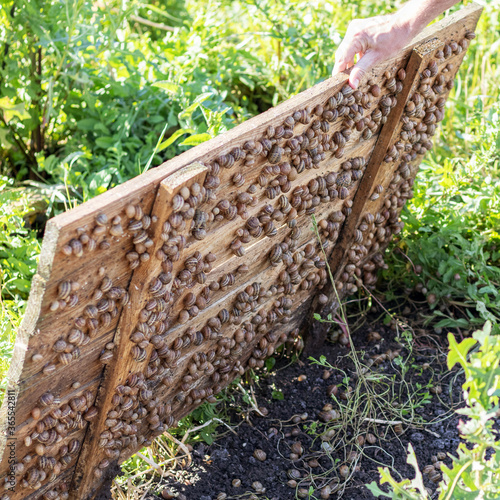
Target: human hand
374 39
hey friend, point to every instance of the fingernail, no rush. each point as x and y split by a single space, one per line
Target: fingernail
355 83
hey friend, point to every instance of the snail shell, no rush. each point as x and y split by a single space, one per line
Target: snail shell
275 154
391 84
64 290
375 90
65 358
347 90
135 225
260 455
139 354
344 179
343 193
91 311
67 250
367 134
106 356
46 399
297 448
101 219
116 230
76 247
76 336
177 203
293 474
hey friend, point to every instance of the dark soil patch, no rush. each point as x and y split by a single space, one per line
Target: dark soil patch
304 393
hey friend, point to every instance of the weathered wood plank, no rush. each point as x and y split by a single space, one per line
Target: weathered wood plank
288 330
392 128
142 291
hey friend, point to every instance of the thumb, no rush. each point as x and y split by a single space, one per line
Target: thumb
365 64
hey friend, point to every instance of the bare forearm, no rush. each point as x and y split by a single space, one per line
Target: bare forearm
417 14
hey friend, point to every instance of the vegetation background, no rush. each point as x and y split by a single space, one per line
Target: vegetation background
82 110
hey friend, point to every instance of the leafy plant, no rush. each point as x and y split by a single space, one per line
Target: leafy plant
410 489
451 234
475 472
19 249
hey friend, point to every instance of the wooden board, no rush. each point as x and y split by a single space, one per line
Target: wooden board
155 295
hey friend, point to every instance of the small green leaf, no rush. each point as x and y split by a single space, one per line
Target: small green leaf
458 352
196 139
173 138
278 395
270 362
87 124
207 437
105 142
418 482
170 87
373 487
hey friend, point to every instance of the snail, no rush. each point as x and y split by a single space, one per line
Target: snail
260 455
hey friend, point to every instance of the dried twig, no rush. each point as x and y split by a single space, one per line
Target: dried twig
159 468
181 445
435 434
252 399
379 421
149 461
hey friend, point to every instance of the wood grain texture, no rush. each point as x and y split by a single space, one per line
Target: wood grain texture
143 277
152 297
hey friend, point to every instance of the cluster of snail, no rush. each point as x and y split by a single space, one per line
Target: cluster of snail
88 240
433 471
138 408
213 366
276 183
53 449
304 139
424 109
132 404
107 300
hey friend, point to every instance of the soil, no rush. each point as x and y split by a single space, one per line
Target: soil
432 430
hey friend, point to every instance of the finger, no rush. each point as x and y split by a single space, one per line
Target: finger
344 57
365 64
342 67
341 63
